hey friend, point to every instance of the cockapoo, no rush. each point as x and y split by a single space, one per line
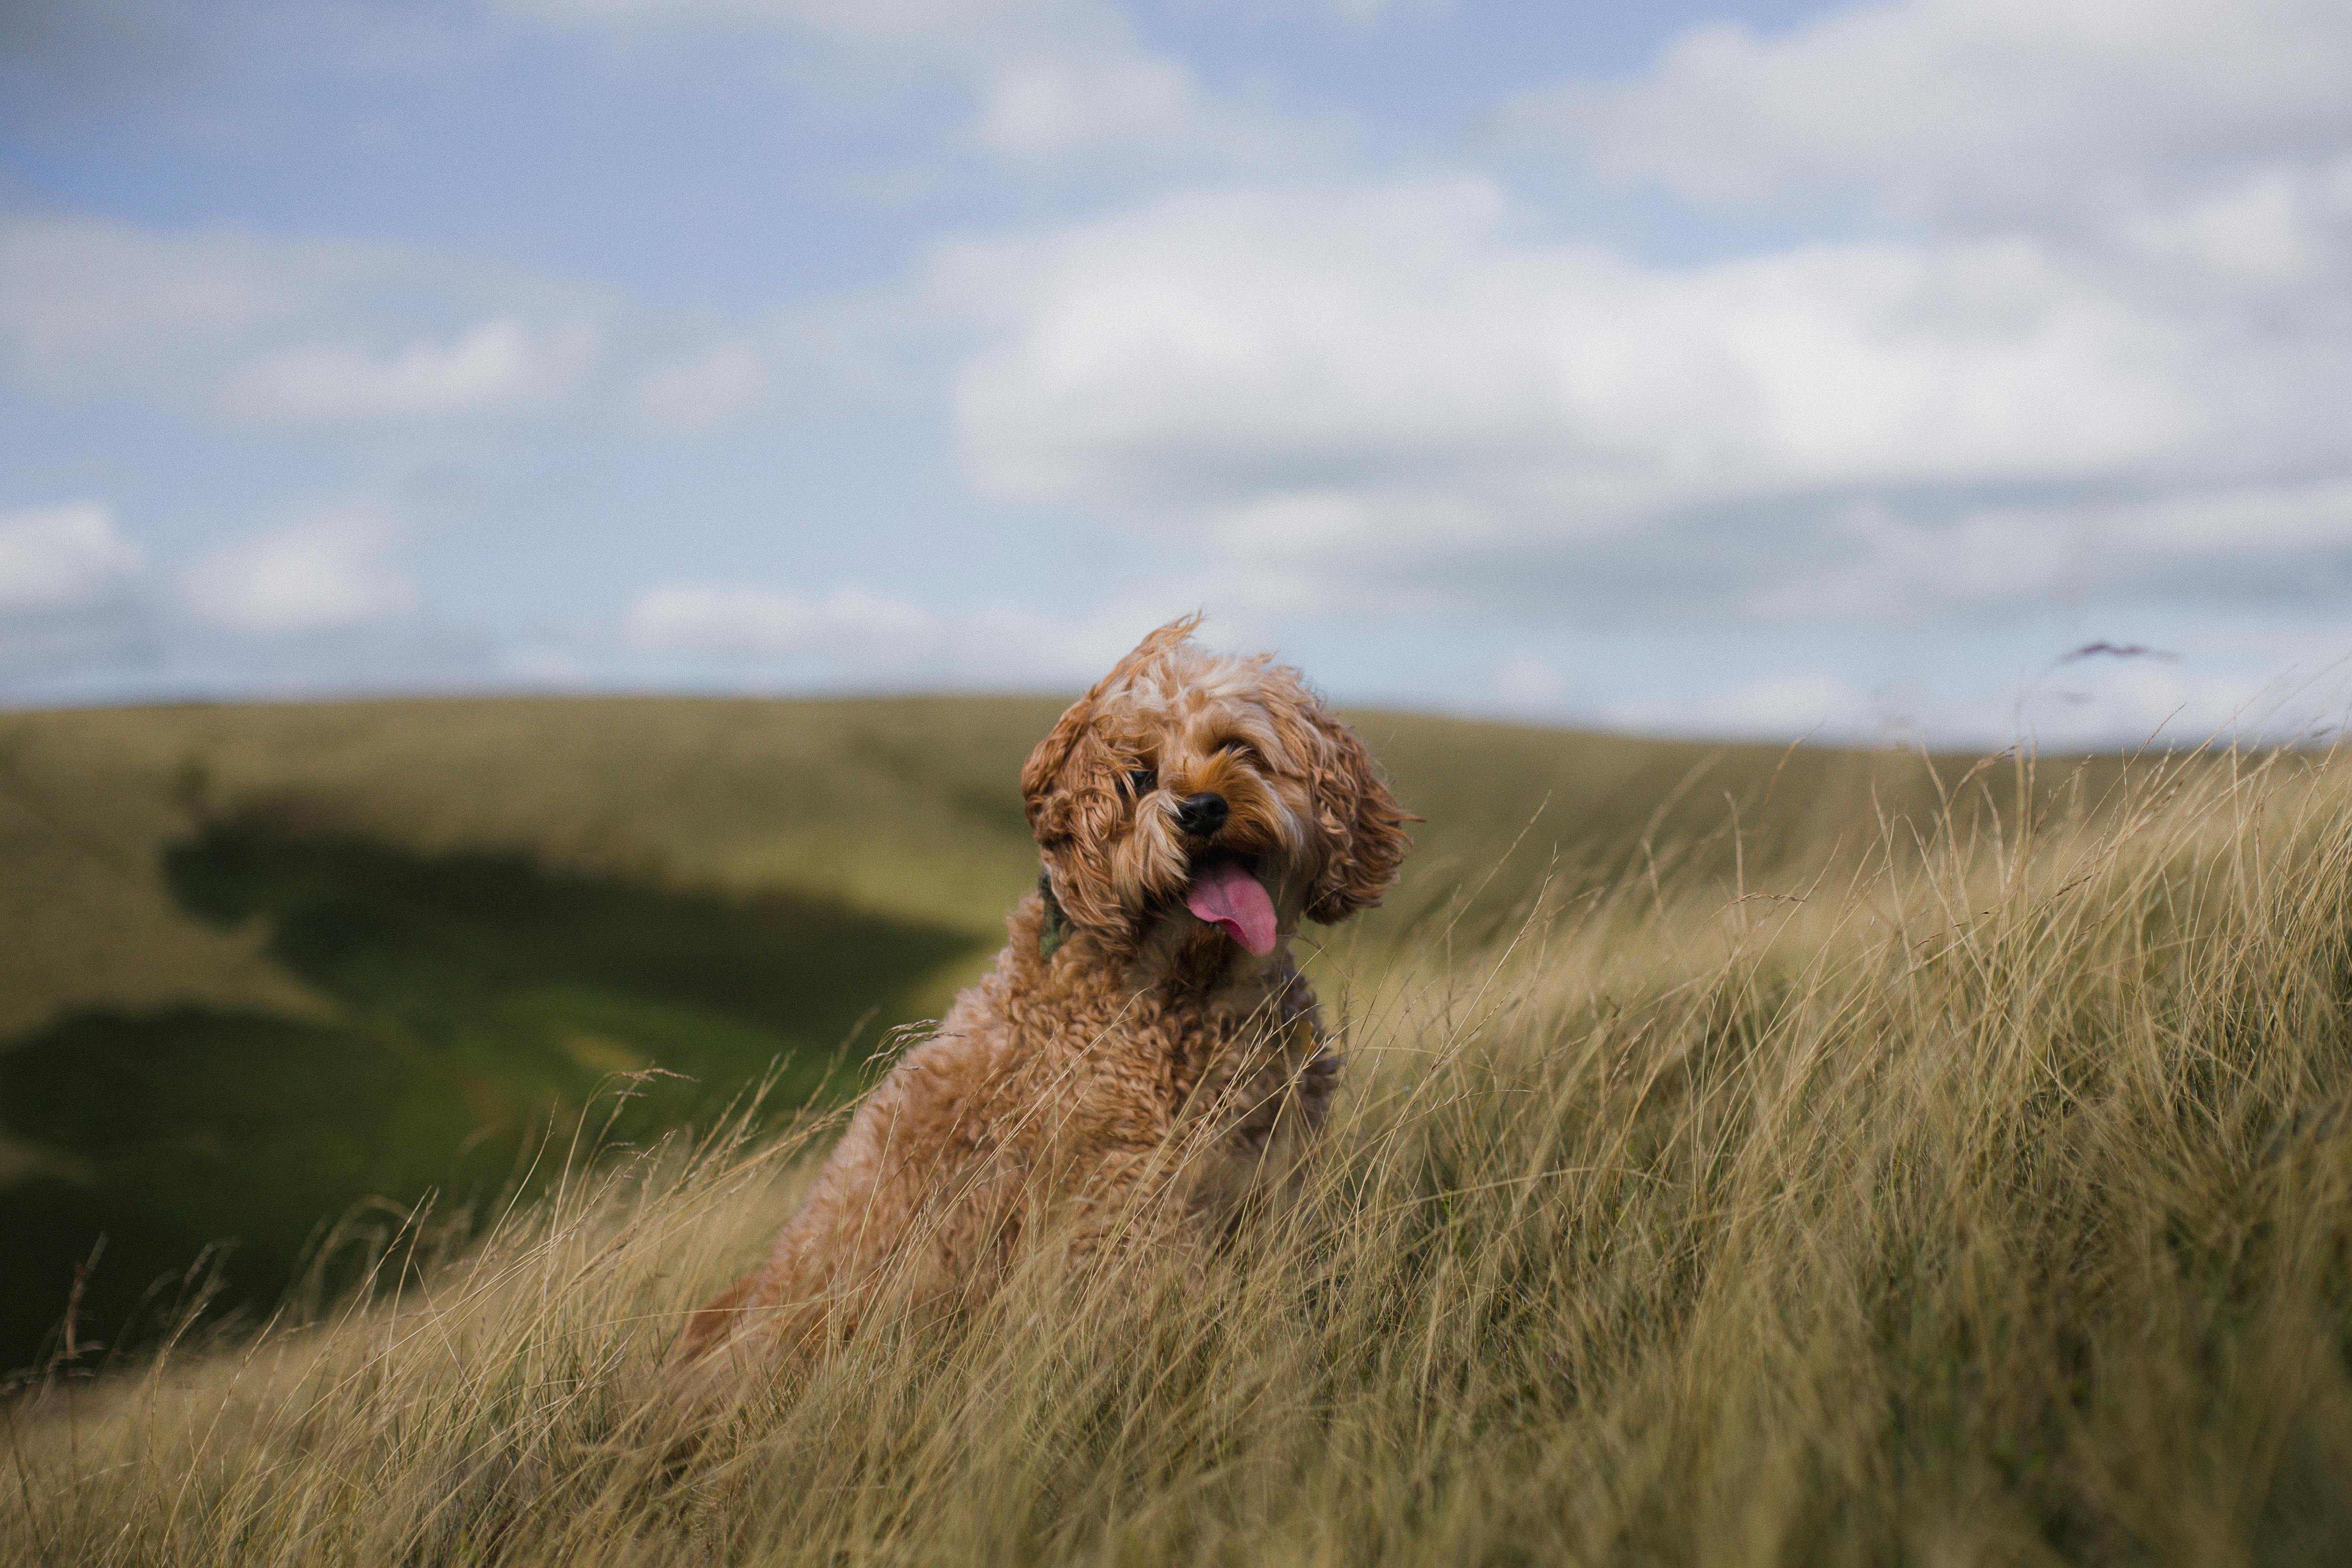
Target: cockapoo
1145 1060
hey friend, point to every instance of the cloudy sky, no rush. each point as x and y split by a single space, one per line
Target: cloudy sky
1764 369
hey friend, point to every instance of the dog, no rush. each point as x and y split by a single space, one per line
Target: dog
1144 1062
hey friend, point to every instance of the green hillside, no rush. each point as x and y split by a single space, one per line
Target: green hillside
260 965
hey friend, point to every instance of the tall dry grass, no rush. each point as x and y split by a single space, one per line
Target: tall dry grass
1985 1197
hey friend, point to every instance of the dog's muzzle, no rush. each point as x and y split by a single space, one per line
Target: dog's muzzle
1202 815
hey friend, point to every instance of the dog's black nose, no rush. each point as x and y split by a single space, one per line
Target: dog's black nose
1200 815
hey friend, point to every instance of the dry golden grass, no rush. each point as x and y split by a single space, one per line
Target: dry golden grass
1982 1199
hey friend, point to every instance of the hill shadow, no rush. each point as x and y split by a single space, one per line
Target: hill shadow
482 998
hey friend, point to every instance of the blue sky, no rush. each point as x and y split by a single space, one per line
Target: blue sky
1785 369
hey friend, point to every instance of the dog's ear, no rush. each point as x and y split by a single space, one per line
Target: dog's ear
1047 806
1363 825
1072 815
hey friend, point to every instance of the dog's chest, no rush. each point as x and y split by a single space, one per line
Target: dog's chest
1250 1112
1229 1076
1163 1058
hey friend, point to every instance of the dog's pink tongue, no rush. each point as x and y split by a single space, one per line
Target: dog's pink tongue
1225 895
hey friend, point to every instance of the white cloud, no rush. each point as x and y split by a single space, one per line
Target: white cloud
2257 678
1782 705
1054 81
1119 103
1259 343
1962 107
2282 681
90 304
1406 390
498 366
63 558
963 24
967 24
2273 228
327 573
2071 337
1362 14
2276 544
764 623
1355 16
704 390
266 327
1526 681
851 636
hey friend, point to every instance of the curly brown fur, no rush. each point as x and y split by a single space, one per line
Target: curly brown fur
1129 1069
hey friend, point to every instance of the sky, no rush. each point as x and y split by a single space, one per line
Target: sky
1964 372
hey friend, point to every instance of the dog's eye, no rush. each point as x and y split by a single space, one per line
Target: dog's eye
1238 747
1143 781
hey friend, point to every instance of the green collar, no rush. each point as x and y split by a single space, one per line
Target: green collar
1057 926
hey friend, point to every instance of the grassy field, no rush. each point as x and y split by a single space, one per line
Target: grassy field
1980 1194
259 965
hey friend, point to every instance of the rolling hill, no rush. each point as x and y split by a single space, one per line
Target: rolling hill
259 965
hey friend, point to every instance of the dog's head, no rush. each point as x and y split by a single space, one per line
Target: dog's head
1187 785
